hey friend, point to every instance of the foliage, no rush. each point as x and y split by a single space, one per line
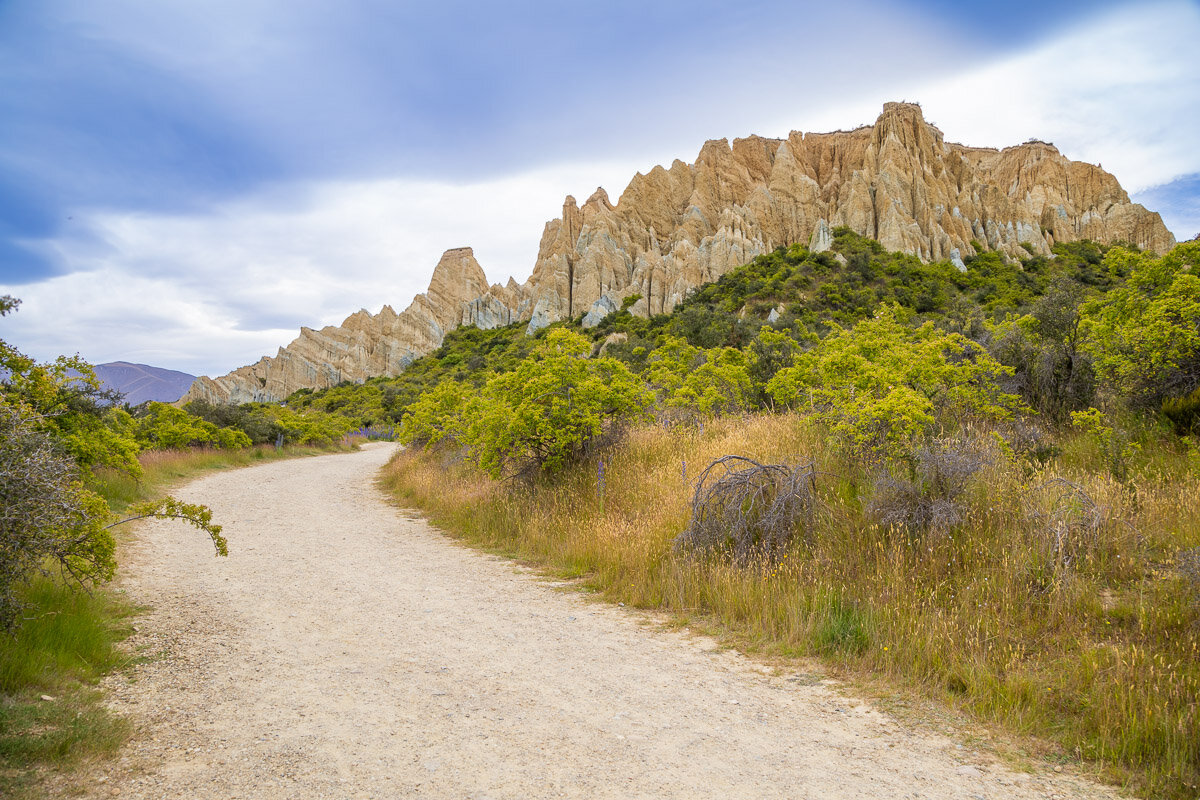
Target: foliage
1052 371
882 385
719 385
47 517
1145 332
194 514
772 350
439 416
708 382
164 426
1115 445
552 406
65 399
1184 413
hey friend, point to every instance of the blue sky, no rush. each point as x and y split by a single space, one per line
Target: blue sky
186 184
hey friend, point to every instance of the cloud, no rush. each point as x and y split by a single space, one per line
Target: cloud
1179 204
234 173
1122 90
211 291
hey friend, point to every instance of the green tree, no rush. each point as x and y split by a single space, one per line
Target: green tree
1051 368
1145 333
719 385
439 416
65 399
48 518
550 408
167 427
882 385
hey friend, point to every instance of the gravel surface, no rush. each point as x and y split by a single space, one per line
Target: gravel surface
346 649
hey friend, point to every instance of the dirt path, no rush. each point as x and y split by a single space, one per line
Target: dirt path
347 650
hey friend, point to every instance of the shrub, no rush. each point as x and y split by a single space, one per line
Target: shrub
46 515
882 385
933 496
1146 332
439 416
552 407
748 510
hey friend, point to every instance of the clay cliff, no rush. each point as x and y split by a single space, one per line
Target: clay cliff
673 229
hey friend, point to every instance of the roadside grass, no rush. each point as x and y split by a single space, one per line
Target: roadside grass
69 640
1082 636
67 643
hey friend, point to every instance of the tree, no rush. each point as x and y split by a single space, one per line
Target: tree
1145 333
48 518
1045 348
555 404
439 415
65 399
167 427
882 385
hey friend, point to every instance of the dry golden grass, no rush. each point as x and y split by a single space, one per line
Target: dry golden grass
1088 640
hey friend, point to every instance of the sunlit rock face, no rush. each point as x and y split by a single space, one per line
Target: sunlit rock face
674 228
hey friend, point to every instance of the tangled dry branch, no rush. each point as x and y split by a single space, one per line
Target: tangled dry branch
934 497
1064 518
750 510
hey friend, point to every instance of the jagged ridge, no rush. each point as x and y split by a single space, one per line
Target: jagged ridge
676 228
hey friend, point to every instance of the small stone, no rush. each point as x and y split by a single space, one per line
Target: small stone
47 698
1058 769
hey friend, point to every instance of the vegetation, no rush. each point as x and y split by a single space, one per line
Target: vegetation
1060 613
973 484
945 478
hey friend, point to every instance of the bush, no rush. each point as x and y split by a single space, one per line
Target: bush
881 386
1146 332
439 416
933 496
47 517
165 427
748 510
552 407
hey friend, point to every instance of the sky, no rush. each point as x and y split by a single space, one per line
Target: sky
186 184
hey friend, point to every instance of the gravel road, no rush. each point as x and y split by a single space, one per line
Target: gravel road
346 649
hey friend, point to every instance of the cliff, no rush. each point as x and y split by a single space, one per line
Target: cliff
673 229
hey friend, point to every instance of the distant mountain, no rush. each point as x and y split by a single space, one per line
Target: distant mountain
140 383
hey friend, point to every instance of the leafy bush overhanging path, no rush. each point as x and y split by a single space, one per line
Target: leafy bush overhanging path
344 649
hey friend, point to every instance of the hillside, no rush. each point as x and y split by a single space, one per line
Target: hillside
897 182
140 383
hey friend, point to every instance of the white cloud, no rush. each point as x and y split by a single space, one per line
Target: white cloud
1122 91
212 291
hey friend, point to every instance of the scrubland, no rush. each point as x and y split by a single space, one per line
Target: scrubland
1050 600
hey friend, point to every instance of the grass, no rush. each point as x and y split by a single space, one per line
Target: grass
67 644
1088 642
70 640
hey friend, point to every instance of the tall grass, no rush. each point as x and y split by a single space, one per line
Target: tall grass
68 642
71 635
1087 640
